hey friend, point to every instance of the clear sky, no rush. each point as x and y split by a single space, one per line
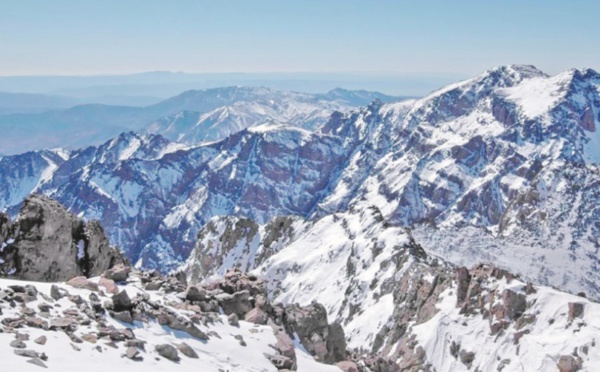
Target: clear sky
443 36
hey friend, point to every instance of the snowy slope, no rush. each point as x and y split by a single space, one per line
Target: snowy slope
221 352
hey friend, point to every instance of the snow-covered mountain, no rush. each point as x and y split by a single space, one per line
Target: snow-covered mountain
218 112
500 166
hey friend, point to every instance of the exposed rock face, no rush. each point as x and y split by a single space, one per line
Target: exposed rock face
50 244
321 339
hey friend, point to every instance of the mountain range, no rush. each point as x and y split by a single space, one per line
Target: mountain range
369 211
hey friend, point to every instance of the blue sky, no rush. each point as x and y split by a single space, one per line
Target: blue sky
383 36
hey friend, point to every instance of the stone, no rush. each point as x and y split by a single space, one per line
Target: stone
55 292
256 316
193 293
238 303
41 340
90 337
187 350
49 240
568 363
575 310
168 351
81 282
118 273
467 358
38 362
133 353
121 301
347 366
109 285
233 320
44 307
463 278
123 316
26 353
514 303
18 344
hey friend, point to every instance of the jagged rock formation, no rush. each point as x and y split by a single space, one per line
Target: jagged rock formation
47 243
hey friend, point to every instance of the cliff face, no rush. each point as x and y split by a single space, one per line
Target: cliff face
47 243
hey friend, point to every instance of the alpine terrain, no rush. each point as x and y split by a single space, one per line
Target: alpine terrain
459 231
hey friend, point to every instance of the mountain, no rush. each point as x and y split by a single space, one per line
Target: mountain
347 292
219 112
500 168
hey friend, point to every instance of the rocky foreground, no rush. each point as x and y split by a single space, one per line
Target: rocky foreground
287 296
145 321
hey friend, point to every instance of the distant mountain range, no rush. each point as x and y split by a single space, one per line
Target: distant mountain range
91 124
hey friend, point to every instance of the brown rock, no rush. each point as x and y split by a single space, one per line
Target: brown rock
347 366
568 363
41 340
575 310
82 282
109 285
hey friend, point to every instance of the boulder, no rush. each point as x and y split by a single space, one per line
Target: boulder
168 351
514 303
118 273
569 363
575 310
54 245
109 285
122 302
187 350
347 366
256 316
237 303
81 282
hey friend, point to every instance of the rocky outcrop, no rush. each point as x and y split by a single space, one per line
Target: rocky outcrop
47 243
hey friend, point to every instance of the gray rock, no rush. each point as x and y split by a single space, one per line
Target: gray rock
41 340
168 351
121 301
38 362
124 316
47 239
187 350
55 292
238 303
233 320
18 344
118 273
26 353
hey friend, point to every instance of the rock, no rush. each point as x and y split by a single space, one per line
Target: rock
81 282
575 310
133 353
26 353
282 362
569 363
153 286
256 316
168 351
34 322
76 348
233 320
240 338
514 303
187 350
193 293
285 344
55 292
347 366
327 342
44 307
463 279
62 322
76 339
18 344
121 301
109 285
50 240
467 357
118 273
124 316
38 362
238 303
41 340
90 337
